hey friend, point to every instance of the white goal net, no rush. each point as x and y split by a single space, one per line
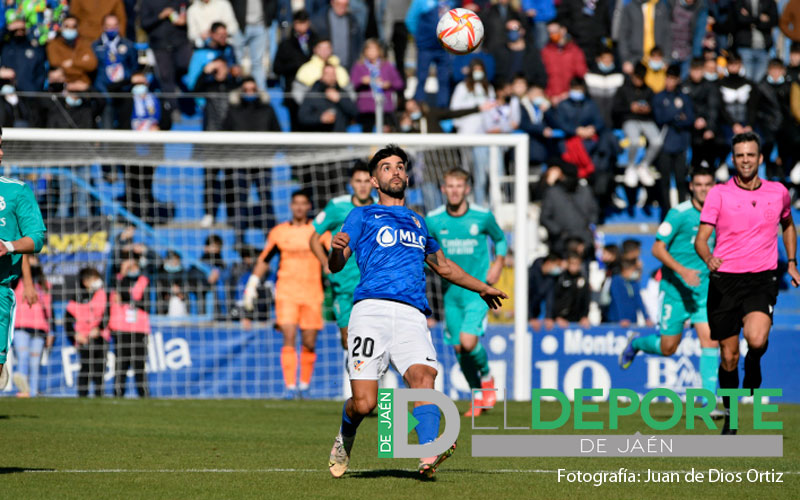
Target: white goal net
189 211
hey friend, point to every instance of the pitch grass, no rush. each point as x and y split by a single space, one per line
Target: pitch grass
67 448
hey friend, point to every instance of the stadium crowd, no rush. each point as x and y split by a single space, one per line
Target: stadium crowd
591 82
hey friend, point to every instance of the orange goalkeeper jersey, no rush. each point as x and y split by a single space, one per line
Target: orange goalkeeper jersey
299 272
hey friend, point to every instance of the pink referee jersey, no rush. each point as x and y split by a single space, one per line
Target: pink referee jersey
746 224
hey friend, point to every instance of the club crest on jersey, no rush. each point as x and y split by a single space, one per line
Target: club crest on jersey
416 222
358 365
388 236
473 230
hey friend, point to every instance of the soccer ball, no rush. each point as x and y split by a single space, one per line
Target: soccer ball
460 31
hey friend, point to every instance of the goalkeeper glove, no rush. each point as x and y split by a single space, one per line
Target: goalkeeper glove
251 292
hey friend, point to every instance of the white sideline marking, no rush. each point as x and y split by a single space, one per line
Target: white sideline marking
260 471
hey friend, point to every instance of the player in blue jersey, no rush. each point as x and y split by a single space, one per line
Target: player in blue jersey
388 322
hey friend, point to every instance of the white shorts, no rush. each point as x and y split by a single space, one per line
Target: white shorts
383 332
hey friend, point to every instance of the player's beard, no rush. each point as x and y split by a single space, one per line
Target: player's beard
397 192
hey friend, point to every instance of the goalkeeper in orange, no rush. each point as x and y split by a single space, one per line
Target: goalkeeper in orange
298 292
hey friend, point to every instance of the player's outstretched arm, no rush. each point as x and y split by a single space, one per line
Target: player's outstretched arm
690 276
702 248
24 245
451 271
340 252
790 242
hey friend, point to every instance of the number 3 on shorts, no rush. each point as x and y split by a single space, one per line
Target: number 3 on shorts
367 346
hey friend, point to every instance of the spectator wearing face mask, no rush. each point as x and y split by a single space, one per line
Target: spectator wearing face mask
473 91
375 78
569 208
542 277
250 110
93 13
25 57
563 60
129 324
633 110
327 107
14 111
603 80
656 70
774 119
537 119
571 294
85 322
497 21
72 53
644 24
116 58
706 101
674 113
588 22
626 296
425 119
518 56
32 322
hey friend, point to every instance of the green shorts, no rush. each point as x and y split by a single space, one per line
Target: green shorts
342 306
464 312
680 303
8 307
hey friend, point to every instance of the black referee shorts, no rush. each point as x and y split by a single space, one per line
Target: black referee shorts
731 296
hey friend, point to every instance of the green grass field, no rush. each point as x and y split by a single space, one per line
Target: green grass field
68 448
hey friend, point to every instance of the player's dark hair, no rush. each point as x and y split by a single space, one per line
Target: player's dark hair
631 245
700 171
217 25
458 173
359 166
629 263
303 192
747 137
386 152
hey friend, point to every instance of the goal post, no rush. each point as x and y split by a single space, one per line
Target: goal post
56 151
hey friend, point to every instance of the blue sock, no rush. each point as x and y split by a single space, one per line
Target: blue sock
428 426
651 344
709 362
349 425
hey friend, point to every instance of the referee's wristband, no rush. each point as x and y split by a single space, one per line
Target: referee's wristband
9 246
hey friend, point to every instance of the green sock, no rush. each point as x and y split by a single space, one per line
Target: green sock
651 344
709 361
480 359
468 369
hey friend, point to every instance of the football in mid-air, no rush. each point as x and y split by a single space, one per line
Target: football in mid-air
460 31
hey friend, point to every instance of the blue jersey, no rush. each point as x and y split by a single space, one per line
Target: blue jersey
390 245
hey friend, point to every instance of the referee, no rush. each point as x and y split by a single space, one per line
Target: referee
743 286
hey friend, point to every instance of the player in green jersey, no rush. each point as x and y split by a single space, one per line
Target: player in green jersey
461 230
684 286
331 219
21 231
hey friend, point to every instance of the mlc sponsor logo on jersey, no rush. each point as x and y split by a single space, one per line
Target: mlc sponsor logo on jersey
388 236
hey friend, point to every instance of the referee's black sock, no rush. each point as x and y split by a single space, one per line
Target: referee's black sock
752 367
728 380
